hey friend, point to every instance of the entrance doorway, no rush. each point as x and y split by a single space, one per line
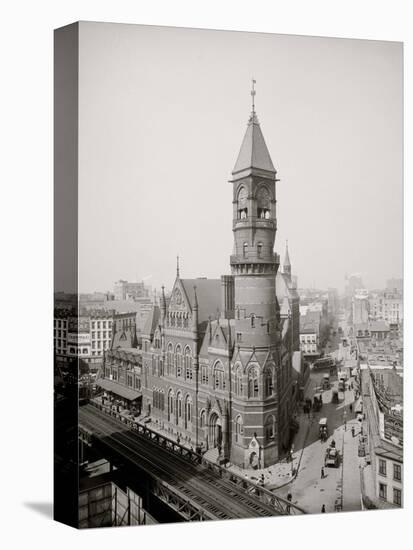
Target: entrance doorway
215 430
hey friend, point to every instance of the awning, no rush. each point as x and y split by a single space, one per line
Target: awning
118 389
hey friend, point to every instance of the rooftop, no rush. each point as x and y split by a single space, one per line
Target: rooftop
253 152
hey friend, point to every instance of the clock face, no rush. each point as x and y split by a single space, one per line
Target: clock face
242 197
263 198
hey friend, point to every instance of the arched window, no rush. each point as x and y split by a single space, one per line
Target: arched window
239 429
253 382
188 410
238 381
202 419
268 383
169 358
178 360
270 428
170 404
179 406
259 250
219 376
242 204
188 364
245 249
263 203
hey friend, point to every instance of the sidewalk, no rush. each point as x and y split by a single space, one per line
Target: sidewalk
351 469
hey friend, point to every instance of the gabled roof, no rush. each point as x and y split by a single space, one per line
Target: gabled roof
123 339
253 152
208 292
151 322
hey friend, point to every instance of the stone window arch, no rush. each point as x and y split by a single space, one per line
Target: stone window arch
242 204
263 203
188 363
188 411
178 360
239 429
239 380
268 383
202 419
178 407
218 376
169 358
253 382
171 397
269 428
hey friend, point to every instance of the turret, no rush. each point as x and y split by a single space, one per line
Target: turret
287 263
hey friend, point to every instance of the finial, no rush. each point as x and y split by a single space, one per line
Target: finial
177 266
195 298
253 92
155 297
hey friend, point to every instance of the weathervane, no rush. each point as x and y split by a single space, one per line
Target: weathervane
253 92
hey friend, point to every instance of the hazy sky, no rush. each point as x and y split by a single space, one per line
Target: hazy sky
162 115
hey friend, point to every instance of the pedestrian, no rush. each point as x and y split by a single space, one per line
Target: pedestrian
351 407
323 508
322 472
352 431
289 498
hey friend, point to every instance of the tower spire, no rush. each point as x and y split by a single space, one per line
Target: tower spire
253 92
287 262
253 155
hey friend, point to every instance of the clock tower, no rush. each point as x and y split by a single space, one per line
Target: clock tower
254 265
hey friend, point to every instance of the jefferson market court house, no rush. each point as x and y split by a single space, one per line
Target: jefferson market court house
216 362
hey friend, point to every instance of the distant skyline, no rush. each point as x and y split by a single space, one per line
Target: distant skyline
162 114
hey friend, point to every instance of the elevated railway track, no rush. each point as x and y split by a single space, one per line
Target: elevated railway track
195 488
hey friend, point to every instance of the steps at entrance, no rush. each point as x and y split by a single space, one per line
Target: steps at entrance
211 455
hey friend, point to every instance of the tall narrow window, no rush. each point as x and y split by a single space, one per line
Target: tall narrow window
259 250
178 360
268 383
244 249
239 429
253 382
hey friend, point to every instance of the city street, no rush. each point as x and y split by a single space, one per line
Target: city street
340 486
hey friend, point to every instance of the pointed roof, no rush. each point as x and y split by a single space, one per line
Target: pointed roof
208 296
253 152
